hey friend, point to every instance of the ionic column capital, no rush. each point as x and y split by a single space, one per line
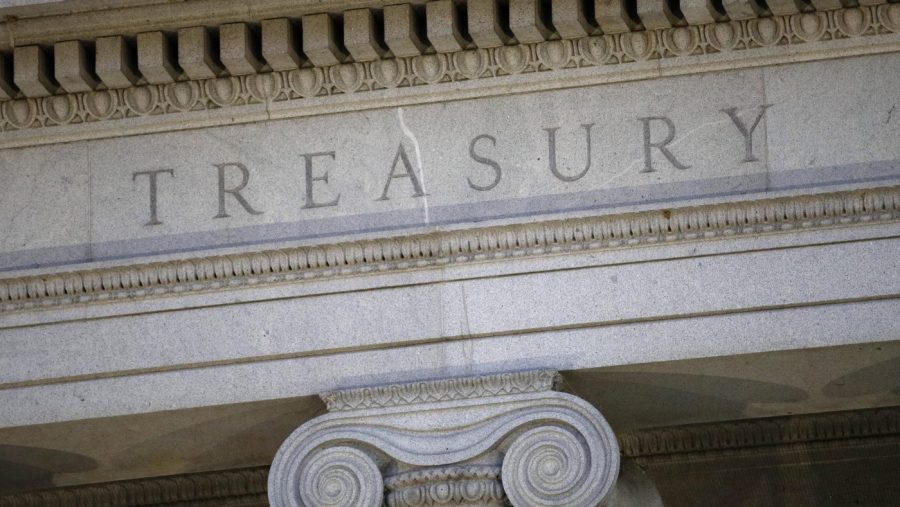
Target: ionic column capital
491 440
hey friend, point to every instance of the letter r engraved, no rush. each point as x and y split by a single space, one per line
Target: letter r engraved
551 142
151 176
498 172
661 146
236 191
747 133
310 180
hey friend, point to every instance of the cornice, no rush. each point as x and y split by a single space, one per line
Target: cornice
269 267
46 113
46 23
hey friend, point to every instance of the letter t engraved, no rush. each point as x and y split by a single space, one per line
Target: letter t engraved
151 175
747 133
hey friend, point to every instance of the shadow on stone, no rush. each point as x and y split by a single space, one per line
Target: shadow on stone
24 468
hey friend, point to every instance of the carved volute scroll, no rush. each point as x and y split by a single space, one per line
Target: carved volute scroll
339 475
506 439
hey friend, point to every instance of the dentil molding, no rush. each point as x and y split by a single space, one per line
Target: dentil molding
265 71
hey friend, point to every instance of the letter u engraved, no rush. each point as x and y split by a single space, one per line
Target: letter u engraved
551 143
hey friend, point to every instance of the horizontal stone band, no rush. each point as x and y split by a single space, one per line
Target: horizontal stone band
424 250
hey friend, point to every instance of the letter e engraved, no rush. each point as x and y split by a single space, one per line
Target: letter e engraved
498 172
236 191
409 173
747 133
551 142
151 176
310 180
661 146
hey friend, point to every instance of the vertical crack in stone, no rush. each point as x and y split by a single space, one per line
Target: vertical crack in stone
421 168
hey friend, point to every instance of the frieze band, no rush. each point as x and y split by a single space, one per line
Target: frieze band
318 184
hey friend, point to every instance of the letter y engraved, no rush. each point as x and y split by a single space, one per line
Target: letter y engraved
747 132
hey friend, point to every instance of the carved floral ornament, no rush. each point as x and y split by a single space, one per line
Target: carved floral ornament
314 84
495 444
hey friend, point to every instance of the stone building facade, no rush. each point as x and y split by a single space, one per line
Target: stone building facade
449 252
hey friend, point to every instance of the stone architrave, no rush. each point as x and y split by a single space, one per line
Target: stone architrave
507 439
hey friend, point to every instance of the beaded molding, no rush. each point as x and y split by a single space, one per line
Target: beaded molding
262 268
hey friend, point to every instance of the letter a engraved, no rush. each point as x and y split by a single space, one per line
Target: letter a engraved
409 173
661 146
151 175
498 172
551 142
236 191
747 133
